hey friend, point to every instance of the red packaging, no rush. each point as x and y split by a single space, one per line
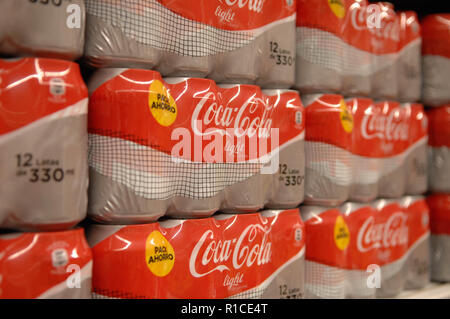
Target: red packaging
439 213
436 39
43 138
389 232
356 66
187 147
319 45
366 149
392 125
439 128
359 256
384 48
240 256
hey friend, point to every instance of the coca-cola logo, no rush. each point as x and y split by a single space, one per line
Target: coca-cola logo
250 248
251 5
391 127
245 120
393 232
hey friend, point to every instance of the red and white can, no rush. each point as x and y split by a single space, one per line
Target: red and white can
436 59
319 46
328 166
361 255
419 258
416 158
389 232
385 44
288 186
43 138
366 150
392 126
409 64
357 57
327 238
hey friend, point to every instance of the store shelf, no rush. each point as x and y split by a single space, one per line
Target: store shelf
432 291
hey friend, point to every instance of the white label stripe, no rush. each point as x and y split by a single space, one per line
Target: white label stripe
79 108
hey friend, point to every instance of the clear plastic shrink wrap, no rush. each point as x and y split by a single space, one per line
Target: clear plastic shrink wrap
186 147
52 29
229 41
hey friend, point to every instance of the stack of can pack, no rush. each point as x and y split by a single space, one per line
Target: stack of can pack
368 149
258 255
44 171
53 28
43 157
229 41
367 250
356 48
436 94
186 147
436 59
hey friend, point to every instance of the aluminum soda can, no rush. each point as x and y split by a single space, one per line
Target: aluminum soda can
43 137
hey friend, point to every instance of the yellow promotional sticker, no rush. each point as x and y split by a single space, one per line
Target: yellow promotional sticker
337 7
341 233
346 117
159 254
161 104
